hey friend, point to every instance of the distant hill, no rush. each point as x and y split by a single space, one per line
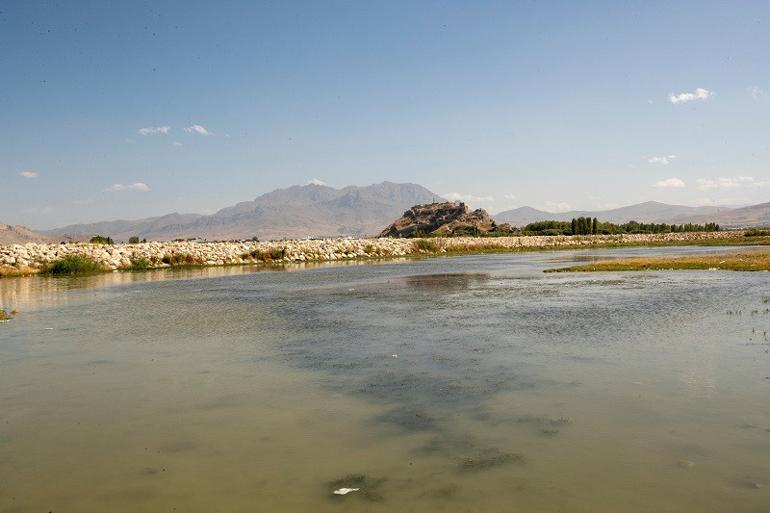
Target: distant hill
17 234
648 212
743 217
295 212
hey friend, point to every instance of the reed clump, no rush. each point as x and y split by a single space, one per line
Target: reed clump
425 245
72 265
139 264
180 259
267 256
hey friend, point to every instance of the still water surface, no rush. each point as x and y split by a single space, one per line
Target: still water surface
470 384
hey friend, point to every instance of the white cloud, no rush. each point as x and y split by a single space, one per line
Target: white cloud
316 181
757 93
669 183
154 130
557 206
664 160
197 129
457 196
509 196
177 143
698 94
137 187
29 174
730 182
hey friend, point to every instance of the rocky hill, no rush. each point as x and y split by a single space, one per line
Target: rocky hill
295 212
442 219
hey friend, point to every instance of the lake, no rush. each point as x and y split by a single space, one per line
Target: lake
462 384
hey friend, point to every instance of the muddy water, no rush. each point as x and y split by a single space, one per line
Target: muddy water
471 384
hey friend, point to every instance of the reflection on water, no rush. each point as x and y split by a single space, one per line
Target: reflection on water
457 384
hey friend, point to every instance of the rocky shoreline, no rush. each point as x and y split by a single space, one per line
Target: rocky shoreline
29 258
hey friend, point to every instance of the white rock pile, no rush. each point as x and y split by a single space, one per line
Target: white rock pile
33 256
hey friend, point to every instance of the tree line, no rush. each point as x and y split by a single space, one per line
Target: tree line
592 226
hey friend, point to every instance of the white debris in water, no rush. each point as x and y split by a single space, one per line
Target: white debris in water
394 355
345 491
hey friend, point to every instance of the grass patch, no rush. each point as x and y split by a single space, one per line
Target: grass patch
72 265
138 264
180 259
749 261
425 245
267 256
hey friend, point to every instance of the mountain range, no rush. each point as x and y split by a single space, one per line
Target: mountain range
296 212
648 212
322 211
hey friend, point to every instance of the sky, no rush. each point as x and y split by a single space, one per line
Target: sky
122 110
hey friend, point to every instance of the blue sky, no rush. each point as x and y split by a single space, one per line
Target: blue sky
551 104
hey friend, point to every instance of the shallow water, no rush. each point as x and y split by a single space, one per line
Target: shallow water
456 384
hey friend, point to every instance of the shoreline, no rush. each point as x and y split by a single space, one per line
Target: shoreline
757 260
28 259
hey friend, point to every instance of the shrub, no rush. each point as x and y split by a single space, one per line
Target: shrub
179 259
73 264
757 232
369 249
4 316
139 264
425 245
98 239
266 256
133 240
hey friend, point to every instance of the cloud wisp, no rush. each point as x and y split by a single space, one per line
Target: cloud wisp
670 183
316 181
757 93
459 196
29 174
664 160
133 187
733 182
154 130
197 129
699 94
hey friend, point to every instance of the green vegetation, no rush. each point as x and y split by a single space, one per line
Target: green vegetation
135 240
180 259
757 232
72 265
98 239
748 261
588 226
425 245
139 264
265 256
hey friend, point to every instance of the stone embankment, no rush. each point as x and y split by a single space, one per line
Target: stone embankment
21 258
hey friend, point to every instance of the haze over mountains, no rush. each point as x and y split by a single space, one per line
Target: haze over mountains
322 211
297 212
647 212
